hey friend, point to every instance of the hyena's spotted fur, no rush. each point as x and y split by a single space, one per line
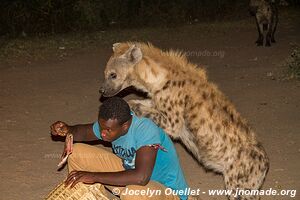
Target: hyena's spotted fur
191 109
266 14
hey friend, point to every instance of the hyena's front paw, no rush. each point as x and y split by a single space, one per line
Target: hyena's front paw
135 107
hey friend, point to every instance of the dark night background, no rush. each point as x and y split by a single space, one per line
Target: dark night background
35 17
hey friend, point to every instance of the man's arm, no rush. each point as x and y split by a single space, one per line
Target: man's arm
81 132
144 164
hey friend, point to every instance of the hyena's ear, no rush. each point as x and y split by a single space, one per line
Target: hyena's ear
115 46
133 54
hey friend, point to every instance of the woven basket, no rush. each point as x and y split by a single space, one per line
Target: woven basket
80 191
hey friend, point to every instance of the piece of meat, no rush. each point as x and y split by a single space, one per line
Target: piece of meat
67 150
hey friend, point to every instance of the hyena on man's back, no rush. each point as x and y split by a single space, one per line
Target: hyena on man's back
190 108
266 17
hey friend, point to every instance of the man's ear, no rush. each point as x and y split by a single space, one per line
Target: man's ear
133 54
126 125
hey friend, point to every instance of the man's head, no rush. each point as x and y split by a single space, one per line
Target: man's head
114 118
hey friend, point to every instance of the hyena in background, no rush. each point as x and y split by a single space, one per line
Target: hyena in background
266 16
191 109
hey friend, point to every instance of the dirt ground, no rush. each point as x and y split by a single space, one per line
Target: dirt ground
34 96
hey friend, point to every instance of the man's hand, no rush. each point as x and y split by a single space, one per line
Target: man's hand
80 132
80 176
60 128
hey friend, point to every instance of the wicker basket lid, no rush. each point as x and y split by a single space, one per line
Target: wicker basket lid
80 191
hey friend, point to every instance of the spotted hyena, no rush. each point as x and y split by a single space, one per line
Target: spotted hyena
266 15
191 109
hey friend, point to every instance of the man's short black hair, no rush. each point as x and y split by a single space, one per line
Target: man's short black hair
115 108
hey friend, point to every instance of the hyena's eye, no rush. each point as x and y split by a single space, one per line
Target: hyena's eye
113 75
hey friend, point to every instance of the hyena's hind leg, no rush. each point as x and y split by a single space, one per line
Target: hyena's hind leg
260 39
238 191
246 175
145 108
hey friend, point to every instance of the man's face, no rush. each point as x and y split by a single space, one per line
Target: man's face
112 130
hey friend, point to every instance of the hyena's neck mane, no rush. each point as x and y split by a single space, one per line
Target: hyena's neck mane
160 66
171 60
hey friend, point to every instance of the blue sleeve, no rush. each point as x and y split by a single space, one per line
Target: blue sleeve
147 133
96 130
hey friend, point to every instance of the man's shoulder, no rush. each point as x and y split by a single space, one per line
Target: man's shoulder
139 121
143 127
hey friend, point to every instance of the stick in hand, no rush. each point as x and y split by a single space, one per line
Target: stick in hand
67 150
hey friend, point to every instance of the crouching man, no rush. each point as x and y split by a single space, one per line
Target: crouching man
144 163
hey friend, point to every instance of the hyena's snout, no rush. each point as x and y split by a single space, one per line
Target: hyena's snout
108 90
104 90
101 90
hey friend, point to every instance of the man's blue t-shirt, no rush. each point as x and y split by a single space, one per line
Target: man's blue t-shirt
143 132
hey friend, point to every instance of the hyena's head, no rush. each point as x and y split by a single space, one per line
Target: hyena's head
119 67
253 6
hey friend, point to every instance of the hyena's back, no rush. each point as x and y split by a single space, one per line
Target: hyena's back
211 128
